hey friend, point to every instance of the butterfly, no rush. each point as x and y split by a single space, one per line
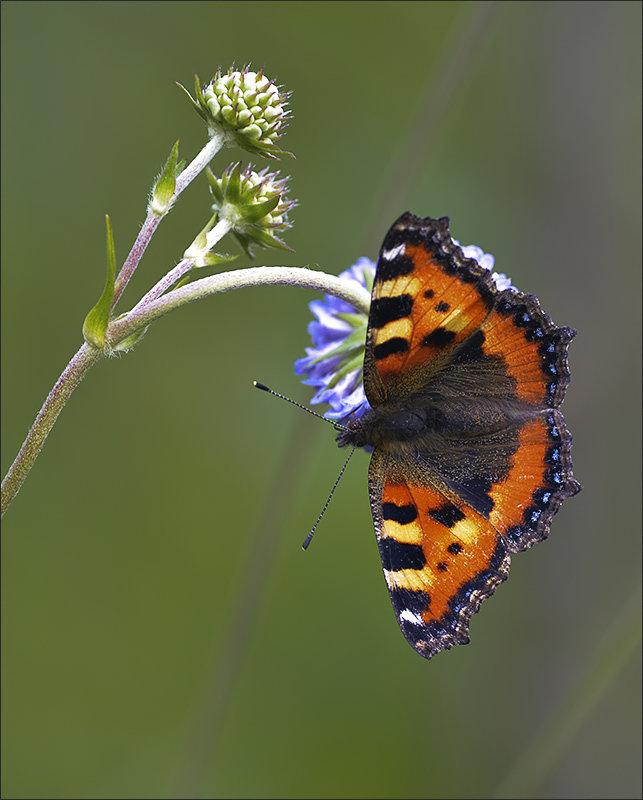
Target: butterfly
471 456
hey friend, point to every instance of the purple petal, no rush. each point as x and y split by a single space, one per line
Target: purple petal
320 366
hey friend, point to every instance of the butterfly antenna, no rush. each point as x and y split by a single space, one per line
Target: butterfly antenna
332 492
337 425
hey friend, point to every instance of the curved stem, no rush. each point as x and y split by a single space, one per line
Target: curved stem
184 266
153 220
71 376
539 759
138 318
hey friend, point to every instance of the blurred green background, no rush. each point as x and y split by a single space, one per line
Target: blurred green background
163 633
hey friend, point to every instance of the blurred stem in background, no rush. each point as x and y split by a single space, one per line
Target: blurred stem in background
535 764
456 67
208 724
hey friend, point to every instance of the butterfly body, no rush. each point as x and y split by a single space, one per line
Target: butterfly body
432 419
471 457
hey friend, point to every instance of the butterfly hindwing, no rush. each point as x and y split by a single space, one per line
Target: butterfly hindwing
441 558
538 480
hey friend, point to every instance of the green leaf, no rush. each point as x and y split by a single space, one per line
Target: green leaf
197 249
369 279
259 148
198 92
97 320
354 363
129 341
257 211
233 193
264 238
351 344
244 241
213 259
209 260
165 187
214 185
197 107
355 320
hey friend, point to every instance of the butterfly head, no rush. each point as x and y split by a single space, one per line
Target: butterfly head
354 434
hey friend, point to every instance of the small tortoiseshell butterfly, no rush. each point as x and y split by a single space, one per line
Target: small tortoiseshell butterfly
471 455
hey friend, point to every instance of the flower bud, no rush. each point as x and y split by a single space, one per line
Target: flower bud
254 203
246 107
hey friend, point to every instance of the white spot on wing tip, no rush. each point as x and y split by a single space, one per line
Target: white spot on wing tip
409 616
394 252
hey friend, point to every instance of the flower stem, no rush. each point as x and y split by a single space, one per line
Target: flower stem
215 235
135 255
119 329
153 220
540 758
199 162
166 282
71 376
305 278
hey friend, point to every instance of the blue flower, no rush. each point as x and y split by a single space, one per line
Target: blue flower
335 362
486 261
334 365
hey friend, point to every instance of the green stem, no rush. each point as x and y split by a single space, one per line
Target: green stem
349 291
540 758
183 267
72 375
138 318
153 220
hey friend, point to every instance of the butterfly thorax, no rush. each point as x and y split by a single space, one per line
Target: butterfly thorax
387 425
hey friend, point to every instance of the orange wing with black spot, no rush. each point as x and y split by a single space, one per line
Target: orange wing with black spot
427 299
441 558
449 511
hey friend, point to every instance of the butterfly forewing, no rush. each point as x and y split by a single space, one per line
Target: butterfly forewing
421 306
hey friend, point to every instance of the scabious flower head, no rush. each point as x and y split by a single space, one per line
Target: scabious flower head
255 204
334 365
486 261
248 108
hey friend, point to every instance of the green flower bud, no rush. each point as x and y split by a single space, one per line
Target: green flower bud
254 203
245 106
